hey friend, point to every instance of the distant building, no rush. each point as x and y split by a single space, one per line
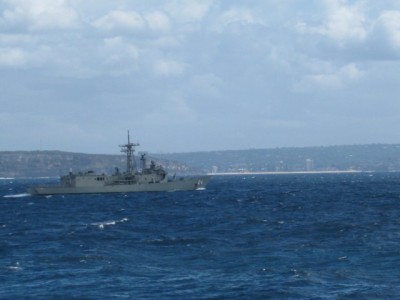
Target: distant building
214 169
281 167
309 164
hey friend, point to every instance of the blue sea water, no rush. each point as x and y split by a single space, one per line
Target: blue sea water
311 236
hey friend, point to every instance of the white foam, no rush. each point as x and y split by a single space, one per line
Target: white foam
101 225
15 267
17 195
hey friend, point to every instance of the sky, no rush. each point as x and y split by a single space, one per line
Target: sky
198 75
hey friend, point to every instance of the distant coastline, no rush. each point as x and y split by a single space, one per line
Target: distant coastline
286 172
307 160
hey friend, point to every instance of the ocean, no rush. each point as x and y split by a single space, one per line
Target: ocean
291 236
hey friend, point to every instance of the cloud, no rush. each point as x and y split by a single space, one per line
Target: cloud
333 79
168 68
13 57
118 19
344 23
158 21
117 51
23 58
353 33
391 22
40 15
185 11
236 15
267 71
207 85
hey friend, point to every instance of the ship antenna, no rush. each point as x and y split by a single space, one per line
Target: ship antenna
129 149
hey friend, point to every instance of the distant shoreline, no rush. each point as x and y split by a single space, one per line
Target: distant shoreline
286 172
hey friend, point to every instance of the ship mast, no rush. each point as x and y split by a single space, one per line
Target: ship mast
129 149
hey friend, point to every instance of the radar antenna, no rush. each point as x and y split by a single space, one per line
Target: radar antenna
129 149
143 159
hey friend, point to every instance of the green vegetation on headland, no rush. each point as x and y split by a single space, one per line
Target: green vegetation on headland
375 157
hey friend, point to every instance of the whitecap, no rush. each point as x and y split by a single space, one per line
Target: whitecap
17 195
101 225
15 267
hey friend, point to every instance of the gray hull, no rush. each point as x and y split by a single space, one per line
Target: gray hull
184 184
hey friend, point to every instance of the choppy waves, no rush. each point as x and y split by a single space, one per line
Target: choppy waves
331 236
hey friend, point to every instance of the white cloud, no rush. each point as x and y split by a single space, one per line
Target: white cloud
169 68
119 56
158 21
40 15
350 71
327 76
237 15
118 19
22 58
343 23
197 62
234 16
120 48
391 22
13 57
188 10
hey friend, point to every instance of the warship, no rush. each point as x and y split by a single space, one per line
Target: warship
152 178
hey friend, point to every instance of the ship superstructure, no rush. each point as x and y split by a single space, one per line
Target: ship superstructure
150 178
